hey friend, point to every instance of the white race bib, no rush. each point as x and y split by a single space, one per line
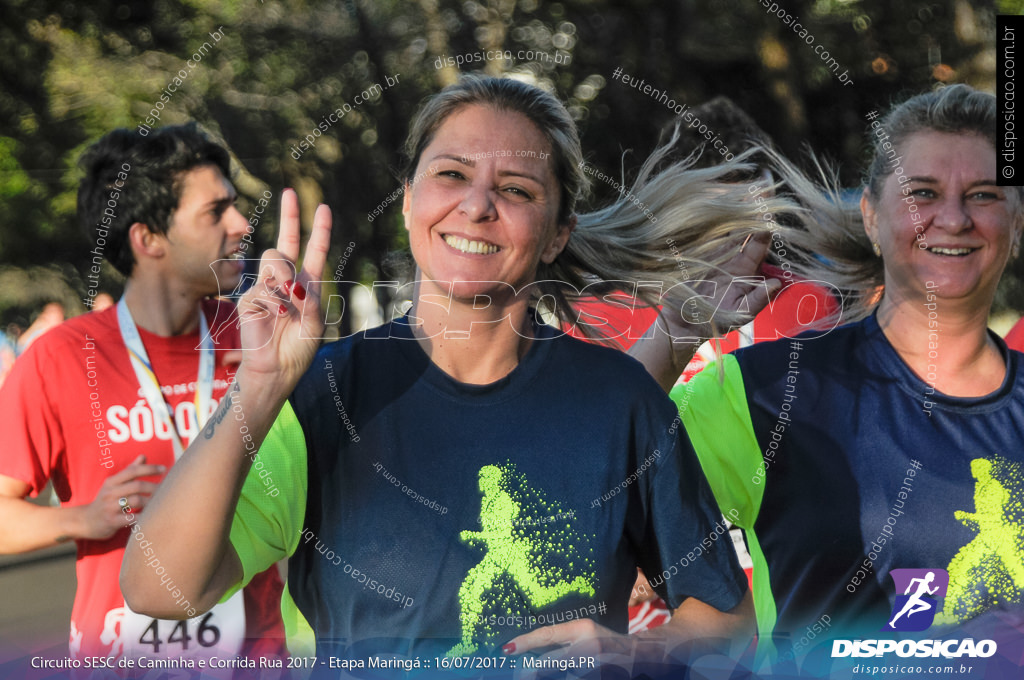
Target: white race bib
219 632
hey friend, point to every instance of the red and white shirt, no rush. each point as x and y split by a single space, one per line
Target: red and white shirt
76 415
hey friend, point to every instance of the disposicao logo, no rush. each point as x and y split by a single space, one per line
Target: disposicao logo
919 593
916 608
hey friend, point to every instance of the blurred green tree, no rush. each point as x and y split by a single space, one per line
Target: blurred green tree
70 72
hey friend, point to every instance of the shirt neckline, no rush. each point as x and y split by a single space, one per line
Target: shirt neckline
504 388
911 383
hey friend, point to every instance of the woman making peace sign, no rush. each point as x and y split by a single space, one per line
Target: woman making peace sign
393 449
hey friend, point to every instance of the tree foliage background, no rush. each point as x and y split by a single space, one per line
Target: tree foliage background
71 71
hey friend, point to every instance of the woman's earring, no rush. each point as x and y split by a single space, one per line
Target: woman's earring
877 248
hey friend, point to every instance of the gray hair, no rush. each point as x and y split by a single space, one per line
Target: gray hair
957 109
838 233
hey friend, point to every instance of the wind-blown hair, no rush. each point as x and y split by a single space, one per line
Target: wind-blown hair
702 216
675 225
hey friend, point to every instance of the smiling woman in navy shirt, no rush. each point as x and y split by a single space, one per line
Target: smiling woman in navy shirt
468 405
891 442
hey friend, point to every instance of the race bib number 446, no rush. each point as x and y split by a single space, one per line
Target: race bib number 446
219 632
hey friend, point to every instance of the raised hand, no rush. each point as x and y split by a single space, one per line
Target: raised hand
280 315
745 265
740 287
678 330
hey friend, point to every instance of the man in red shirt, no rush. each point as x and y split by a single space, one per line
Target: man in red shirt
104 403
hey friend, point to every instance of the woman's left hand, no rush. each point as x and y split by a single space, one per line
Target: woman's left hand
582 639
745 265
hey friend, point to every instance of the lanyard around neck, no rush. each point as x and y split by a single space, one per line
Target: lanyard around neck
151 386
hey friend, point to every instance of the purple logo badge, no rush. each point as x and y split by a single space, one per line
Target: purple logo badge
918 592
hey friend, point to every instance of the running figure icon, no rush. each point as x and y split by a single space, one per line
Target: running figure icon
509 552
915 604
989 569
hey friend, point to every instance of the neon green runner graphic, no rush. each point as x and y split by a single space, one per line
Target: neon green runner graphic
516 573
989 569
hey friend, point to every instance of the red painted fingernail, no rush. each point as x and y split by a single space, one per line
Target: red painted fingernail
300 292
282 309
287 285
510 648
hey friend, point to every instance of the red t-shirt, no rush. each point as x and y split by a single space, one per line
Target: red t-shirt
799 306
75 415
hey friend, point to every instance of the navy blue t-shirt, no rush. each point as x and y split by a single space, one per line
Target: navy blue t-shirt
447 518
843 464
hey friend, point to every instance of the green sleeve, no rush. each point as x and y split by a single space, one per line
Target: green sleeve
714 411
717 420
270 512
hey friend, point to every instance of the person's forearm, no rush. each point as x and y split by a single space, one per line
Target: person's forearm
664 357
695 620
27 526
188 522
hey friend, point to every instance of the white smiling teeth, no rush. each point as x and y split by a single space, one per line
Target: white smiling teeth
467 246
951 251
